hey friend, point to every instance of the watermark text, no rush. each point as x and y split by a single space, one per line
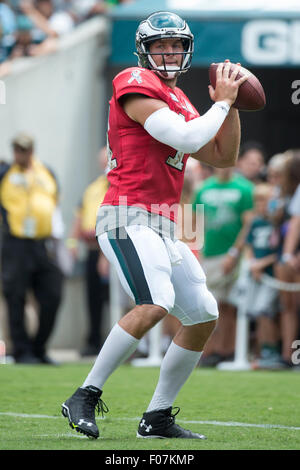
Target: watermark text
296 93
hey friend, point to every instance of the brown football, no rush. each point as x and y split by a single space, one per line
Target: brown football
251 95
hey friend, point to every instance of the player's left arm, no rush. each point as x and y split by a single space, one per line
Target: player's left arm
235 251
222 151
291 242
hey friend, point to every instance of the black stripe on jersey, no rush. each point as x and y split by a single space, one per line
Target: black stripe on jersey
130 264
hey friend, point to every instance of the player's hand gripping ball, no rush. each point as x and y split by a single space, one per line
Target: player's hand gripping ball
251 95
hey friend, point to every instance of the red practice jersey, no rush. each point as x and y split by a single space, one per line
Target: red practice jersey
144 172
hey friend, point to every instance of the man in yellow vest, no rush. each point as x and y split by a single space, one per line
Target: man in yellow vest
83 230
28 201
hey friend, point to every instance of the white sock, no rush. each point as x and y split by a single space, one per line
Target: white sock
176 367
119 345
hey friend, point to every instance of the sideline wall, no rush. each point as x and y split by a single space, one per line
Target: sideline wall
60 99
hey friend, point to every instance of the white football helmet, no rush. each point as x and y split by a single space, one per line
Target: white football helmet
161 25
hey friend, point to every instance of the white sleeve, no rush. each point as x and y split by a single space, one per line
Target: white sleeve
169 128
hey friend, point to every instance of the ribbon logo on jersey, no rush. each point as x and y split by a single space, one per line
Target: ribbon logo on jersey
135 75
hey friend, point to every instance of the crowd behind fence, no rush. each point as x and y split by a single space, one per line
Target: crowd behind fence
265 234
31 28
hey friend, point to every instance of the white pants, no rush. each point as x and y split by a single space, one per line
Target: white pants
158 271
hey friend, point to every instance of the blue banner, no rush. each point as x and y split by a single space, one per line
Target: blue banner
253 37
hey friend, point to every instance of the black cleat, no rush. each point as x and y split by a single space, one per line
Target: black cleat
160 424
80 410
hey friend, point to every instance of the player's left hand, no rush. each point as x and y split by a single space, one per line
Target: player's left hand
256 270
294 263
229 264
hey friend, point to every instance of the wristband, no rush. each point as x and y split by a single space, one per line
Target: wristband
286 257
234 252
223 105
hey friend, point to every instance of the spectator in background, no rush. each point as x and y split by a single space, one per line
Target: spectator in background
7 17
206 171
262 300
291 248
47 23
195 173
227 199
23 38
81 10
117 2
96 265
7 29
287 270
251 161
29 199
38 27
193 176
33 27
275 169
24 43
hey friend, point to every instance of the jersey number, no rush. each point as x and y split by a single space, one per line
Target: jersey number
111 162
176 161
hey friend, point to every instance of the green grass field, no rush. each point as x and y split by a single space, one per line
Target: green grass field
235 410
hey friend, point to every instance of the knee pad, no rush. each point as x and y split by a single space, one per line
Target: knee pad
210 304
202 308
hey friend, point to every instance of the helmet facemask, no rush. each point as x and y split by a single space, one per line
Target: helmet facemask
164 25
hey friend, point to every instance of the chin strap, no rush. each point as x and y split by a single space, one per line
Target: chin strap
166 72
167 75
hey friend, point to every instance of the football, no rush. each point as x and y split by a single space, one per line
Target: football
251 95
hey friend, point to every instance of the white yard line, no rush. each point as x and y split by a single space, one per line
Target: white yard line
214 423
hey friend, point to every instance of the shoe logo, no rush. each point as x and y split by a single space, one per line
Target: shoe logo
82 421
148 427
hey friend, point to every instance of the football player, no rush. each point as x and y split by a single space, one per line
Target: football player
153 129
